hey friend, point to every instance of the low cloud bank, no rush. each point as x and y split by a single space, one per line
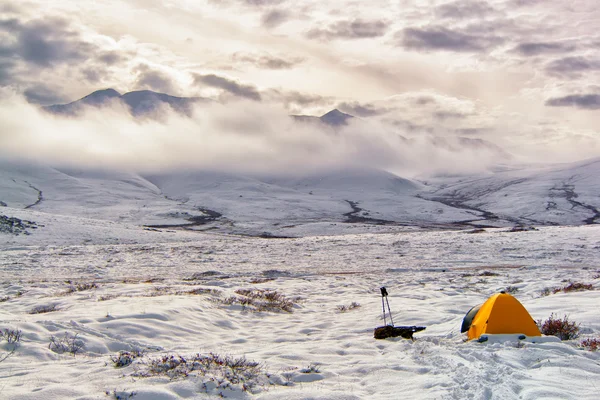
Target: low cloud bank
241 137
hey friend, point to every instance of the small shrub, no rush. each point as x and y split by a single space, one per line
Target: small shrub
108 297
125 358
261 280
521 228
224 371
66 292
511 289
590 344
154 280
12 335
488 273
67 344
344 308
120 395
159 291
86 286
4 298
44 308
546 291
4 356
207 275
574 287
288 374
476 230
312 368
80 287
562 328
200 291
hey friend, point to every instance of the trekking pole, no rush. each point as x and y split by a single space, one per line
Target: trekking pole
389 309
384 293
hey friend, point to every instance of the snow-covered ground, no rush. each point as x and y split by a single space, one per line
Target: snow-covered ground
307 204
166 292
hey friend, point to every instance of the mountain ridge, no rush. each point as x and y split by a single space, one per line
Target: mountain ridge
138 102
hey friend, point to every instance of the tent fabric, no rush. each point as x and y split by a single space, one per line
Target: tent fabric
501 313
468 320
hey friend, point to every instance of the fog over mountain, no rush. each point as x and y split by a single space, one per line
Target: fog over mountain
238 135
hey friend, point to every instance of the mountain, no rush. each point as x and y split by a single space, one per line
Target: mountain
139 103
563 194
98 98
145 101
334 118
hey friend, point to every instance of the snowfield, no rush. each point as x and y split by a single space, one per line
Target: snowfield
184 314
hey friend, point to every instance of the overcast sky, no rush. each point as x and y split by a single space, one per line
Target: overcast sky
516 72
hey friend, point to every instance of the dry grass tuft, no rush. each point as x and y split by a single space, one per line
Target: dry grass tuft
260 300
67 344
44 308
224 372
590 344
125 358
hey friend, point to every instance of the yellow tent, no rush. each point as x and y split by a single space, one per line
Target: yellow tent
501 313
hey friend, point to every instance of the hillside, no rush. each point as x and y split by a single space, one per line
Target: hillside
298 205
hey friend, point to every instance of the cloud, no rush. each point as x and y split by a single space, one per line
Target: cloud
355 29
44 42
274 18
247 3
111 57
228 85
297 102
537 48
526 3
94 75
473 131
9 8
260 3
572 67
362 109
441 38
464 10
43 95
432 112
152 79
6 71
583 101
267 61
53 48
